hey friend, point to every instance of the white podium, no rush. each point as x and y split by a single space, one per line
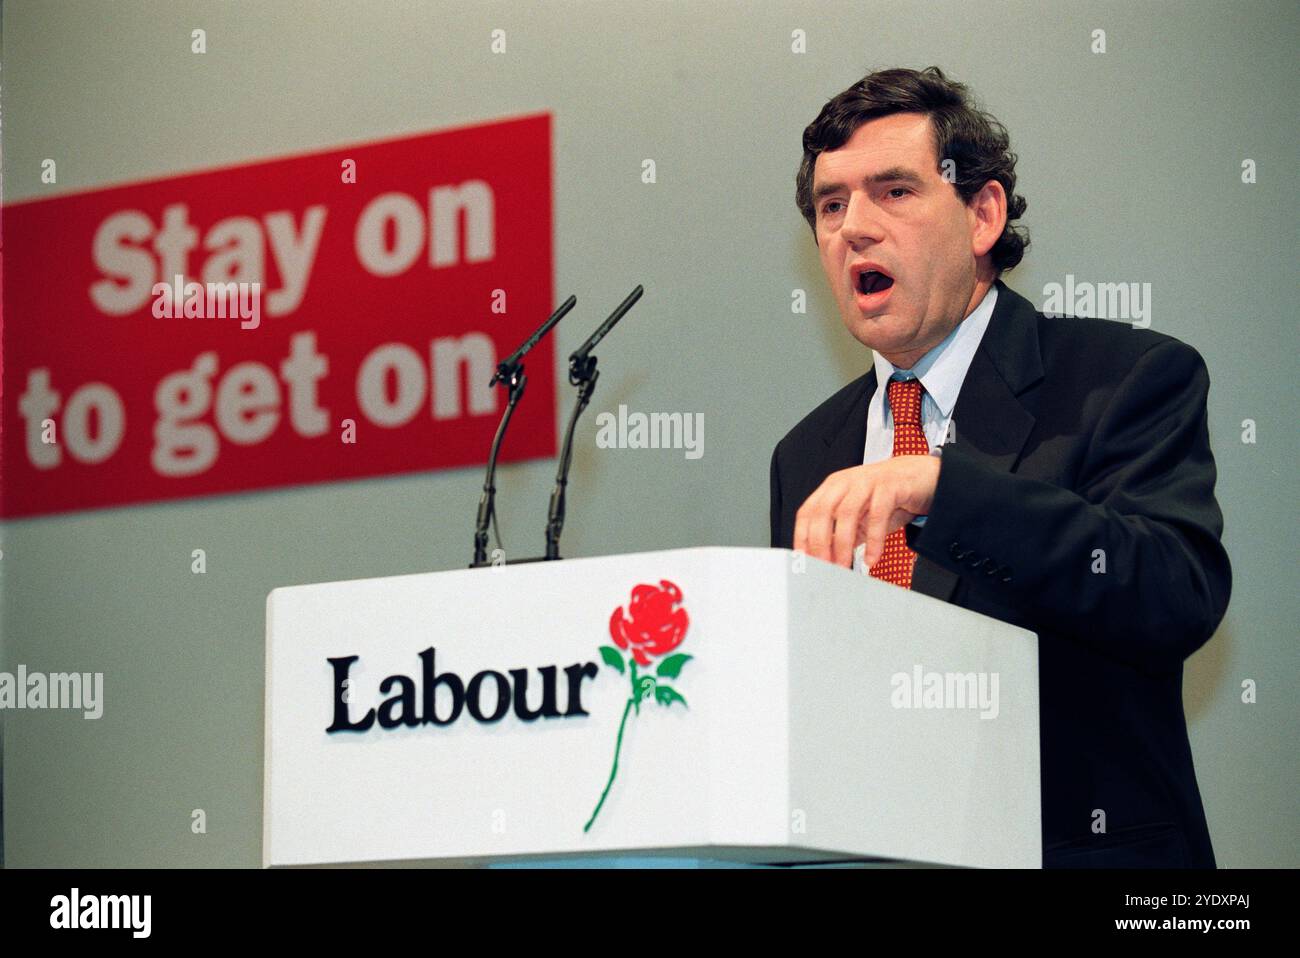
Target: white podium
748 705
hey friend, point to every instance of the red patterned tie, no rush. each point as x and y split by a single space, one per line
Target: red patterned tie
895 563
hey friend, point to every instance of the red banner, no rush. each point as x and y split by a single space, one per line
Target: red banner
329 316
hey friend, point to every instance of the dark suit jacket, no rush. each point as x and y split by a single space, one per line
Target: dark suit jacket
1072 435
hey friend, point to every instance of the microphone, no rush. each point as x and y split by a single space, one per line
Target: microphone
508 365
578 362
582 373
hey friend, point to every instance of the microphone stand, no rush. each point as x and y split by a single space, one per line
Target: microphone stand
514 379
582 373
510 373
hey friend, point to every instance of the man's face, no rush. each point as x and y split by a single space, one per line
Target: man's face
881 203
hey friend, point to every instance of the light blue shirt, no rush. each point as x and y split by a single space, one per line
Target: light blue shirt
942 371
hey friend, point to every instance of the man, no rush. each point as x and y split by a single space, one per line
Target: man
1052 473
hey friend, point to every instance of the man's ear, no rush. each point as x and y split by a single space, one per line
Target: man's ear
988 209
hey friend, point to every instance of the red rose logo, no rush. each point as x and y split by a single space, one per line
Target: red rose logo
655 622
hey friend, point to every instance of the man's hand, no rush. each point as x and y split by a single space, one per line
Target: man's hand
864 504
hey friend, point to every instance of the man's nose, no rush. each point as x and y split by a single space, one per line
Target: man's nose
862 221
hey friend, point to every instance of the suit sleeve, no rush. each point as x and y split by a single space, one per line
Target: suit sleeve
775 499
1129 561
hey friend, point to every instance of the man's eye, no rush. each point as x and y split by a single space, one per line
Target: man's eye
899 189
827 207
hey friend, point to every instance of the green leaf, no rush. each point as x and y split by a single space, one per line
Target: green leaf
667 696
612 657
645 685
672 666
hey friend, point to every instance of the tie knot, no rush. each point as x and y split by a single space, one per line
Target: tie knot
905 401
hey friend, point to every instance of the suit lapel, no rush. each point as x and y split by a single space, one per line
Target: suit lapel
847 438
990 418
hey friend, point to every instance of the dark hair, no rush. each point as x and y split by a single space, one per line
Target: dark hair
976 142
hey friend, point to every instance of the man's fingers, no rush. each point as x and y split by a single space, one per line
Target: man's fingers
847 515
802 521
860 505
897 519
805 521
800 541
900 518
875 525
819 532
850 507
814 522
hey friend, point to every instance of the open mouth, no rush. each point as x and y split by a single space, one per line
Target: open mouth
873 281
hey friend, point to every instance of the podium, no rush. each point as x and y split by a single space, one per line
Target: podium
743 705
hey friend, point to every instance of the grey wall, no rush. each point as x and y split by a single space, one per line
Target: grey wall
1131 164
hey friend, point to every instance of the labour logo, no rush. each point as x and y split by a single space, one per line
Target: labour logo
653 626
